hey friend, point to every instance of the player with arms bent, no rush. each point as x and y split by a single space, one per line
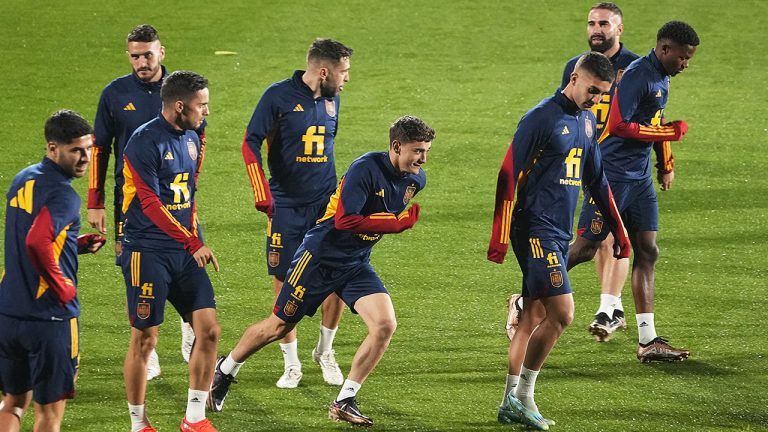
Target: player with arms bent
39 309
335 258
635 122
553 152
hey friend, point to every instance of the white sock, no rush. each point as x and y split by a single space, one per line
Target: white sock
608 304
349 389
196 405
291 354
526 386
229 366
139 418
619 306
512 381
646 329
325 343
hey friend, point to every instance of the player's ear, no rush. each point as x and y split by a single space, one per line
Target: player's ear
574 75
178 106
396 146
162 53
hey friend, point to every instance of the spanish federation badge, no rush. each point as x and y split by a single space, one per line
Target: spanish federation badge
143 310
588 128
556 277
330 108
409 192
192 149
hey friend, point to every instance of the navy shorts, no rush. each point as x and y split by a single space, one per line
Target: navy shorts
153 277
285 232
637 204
310 283
544 264
42 356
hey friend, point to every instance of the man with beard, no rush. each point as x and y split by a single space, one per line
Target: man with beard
604 30
39 308
164 255
635 122
125 104
553 153
298 118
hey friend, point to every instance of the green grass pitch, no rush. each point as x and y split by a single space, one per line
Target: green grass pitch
470 69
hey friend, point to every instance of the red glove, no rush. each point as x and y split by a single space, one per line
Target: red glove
681 128
89 243
621 245
265 208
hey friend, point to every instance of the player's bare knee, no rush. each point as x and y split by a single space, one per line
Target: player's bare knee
210 334
647 253
385 329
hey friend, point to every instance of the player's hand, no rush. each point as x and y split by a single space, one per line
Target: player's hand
90 243
413 216
118 248
265 208
681 128
203 256
665 179
621 245
98 219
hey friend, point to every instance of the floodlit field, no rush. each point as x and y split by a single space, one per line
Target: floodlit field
471 70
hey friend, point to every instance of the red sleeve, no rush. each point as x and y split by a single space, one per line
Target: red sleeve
97 176
624 129
262 196
153 208
40 240
665 160
502 213
377 223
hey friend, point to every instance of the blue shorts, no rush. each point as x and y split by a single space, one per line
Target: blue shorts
42 356
153 277
544 264
637 204
285 232
309 284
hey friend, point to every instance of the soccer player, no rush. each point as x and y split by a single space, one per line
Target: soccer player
39 309
163 252
299 117
125 104
335 258
553 153
635 122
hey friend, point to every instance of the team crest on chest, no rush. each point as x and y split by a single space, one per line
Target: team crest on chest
192 149
588 128
330 108
143 310
409 192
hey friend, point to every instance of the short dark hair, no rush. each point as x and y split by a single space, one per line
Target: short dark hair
408 129
608 6
65 125
143 33
679 32
597 64
181 85
328 49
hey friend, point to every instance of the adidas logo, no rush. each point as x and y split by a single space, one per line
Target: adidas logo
658 93
129 107
195 399
168 156
380 193
298 108
565 131
23 198
643 324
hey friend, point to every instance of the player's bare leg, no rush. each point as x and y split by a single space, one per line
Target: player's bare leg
559 315
48 417
12 411
202 357
289 346
142 344
378 313
534 314
651 346
581 250
253 339
323 353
